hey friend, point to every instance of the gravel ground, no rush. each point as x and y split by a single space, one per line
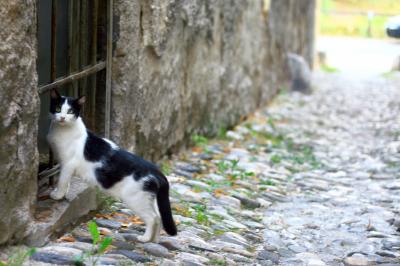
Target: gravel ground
309 180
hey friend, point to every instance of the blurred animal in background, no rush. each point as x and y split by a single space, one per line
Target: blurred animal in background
300 73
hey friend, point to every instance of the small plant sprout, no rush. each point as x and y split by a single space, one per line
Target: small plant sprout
18 258
99 246
199 140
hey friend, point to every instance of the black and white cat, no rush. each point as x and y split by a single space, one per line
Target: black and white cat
99 161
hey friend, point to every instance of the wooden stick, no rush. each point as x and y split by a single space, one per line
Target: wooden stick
88 71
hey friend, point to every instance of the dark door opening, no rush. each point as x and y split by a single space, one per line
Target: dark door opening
74 56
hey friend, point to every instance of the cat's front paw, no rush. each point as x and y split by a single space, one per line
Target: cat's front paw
57 194
143 239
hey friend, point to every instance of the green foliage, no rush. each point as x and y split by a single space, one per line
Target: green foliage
276 140
18 258
222 133
271 123
105 202
183 210
217 217
222 166
328 69
230 170
94 232
276 159
284 148
305 154
283 90
302 154
389 74
234 164
218 262
99 246
267 182
199 140
217 184
218 232
201 215
104 245
350 22
165 168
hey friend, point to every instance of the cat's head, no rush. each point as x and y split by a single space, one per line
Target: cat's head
65 110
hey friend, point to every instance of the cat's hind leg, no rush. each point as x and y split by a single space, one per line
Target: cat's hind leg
142 204
156 237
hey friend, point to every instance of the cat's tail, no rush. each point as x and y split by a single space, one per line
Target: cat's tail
164 207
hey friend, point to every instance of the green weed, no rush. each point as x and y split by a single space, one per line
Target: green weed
99 246
222 166
218 262
267 182
271 123
389 74
165 168
276 159
222 133
230 170
283 90
19 257
199 140
183 210
105 202
328 69
201 216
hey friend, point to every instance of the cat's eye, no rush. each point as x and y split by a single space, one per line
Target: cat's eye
58 109
70 111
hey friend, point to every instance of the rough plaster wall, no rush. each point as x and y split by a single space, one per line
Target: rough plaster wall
183 67
292 24
19 105
125 73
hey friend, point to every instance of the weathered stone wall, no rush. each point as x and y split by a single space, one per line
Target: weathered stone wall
292 24
19 109
184 67
180 67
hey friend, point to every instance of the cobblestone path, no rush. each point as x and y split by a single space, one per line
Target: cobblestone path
343 212
310 180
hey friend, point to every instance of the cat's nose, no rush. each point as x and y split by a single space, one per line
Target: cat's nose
62 118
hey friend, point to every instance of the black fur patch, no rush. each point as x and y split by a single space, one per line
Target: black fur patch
96 149
118 163
76 108
151 185
58 102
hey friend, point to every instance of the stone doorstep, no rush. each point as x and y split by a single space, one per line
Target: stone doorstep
80 200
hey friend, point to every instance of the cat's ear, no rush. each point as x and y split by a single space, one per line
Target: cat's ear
81 100
54 94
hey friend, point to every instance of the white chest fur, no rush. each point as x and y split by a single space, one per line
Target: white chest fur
67 142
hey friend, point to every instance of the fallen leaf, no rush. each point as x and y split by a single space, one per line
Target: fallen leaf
120 214
44 197
105 231
104 216
197 149
234 186
218 192
67 239
136 220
